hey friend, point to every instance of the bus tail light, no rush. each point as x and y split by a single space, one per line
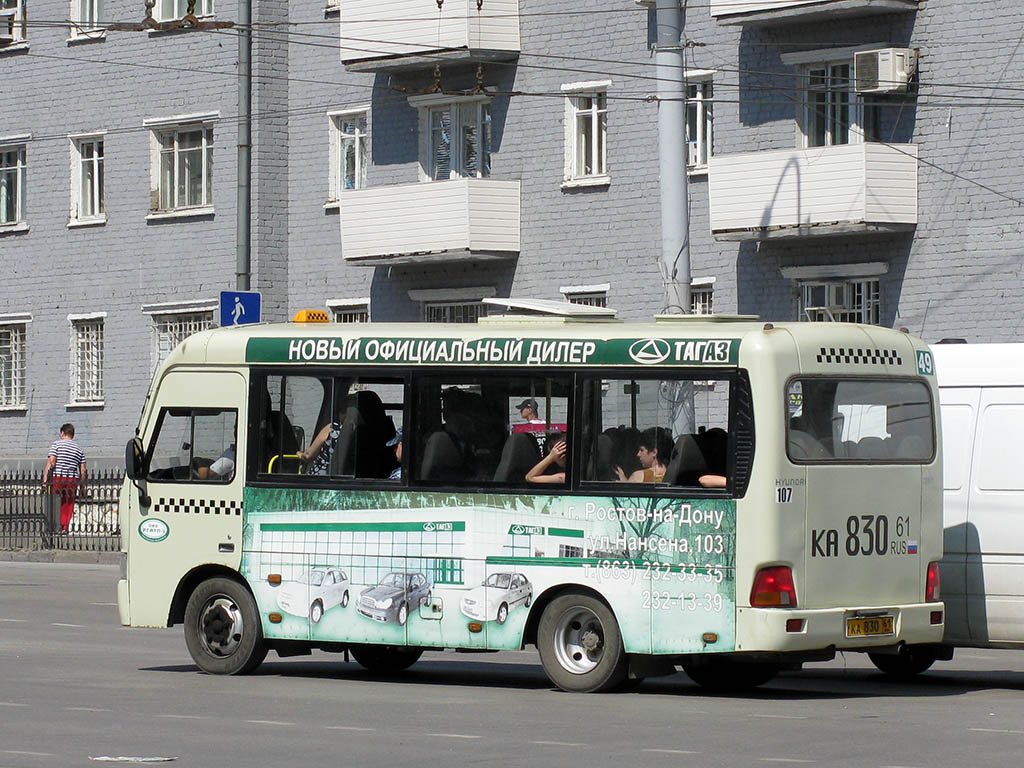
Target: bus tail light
932 589
773 588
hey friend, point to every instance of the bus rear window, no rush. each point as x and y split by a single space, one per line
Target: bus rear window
874 421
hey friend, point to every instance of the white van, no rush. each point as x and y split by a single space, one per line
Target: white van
981 392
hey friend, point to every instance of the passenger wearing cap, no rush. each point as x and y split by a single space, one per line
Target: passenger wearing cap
528 410
396 443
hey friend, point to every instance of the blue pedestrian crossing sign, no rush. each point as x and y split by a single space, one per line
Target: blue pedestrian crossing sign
239 307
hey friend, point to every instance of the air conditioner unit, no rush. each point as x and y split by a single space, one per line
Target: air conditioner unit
886 70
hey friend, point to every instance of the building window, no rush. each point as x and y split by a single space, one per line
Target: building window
170 10
86 16
360 314
845 301
589 134
12 21
701 299
833 114
183 168
588 299
171 329
12 184
87 179
699 108
454 312
86 360
12 365
459 140
350 151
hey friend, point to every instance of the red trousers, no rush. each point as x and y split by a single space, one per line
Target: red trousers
67 487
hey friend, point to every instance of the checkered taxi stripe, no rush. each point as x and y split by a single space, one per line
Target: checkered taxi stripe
859 356
198 506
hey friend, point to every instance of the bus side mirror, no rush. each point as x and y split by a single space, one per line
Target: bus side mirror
133 458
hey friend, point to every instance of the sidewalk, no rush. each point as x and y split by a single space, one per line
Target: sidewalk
57 556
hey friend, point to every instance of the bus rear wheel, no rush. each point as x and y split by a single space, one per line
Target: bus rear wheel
580 645
222 628
385 659
728 674
910 661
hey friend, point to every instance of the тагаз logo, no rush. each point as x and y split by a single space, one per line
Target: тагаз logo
650 351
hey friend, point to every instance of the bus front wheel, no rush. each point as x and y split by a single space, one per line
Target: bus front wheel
580 645
385 659
910 661
222 628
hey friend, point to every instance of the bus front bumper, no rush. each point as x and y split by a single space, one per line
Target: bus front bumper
852 629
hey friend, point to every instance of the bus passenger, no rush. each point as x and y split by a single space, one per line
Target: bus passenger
556 457
712 481
654 451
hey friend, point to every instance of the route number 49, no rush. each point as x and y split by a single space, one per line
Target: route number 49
925 365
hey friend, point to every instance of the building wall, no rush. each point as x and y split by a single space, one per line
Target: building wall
958 274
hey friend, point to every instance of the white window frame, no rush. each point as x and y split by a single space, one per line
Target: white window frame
79 192
12 26
457 106
699 119
87 22
19 172
86 380
172 322
702 296
339 140
14 336
350 310
586 295
851 300
808 61
169 10
171 128
597 115
441 299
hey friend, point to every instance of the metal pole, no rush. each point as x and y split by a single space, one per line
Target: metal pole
243 263
675 211
675 207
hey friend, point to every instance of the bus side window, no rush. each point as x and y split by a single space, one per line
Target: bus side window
189 441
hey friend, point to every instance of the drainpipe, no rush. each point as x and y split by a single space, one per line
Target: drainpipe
675 211
243 238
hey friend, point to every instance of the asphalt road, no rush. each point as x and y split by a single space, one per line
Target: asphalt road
76 686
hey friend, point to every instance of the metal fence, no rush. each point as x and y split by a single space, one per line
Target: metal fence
30 513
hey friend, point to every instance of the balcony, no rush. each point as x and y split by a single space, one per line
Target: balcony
841 190
431 222
412 34
778 12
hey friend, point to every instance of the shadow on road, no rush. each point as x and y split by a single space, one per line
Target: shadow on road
809 684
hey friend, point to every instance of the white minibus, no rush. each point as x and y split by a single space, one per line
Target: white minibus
722 494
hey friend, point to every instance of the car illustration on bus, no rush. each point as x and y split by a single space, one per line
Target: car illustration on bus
316 591
390 599
499 593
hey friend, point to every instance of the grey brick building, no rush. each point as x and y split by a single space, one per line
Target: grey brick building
430 157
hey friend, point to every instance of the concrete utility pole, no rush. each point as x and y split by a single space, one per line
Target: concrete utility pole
675 204
675 210
243 238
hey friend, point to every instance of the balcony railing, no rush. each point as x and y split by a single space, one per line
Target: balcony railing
772 12
814 192
437 221
380 36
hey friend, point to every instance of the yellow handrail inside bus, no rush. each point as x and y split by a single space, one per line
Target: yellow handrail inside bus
270 464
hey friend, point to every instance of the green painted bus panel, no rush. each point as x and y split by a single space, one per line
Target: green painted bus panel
460 562
495 351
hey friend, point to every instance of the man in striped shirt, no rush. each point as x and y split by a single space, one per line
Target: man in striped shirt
65 465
